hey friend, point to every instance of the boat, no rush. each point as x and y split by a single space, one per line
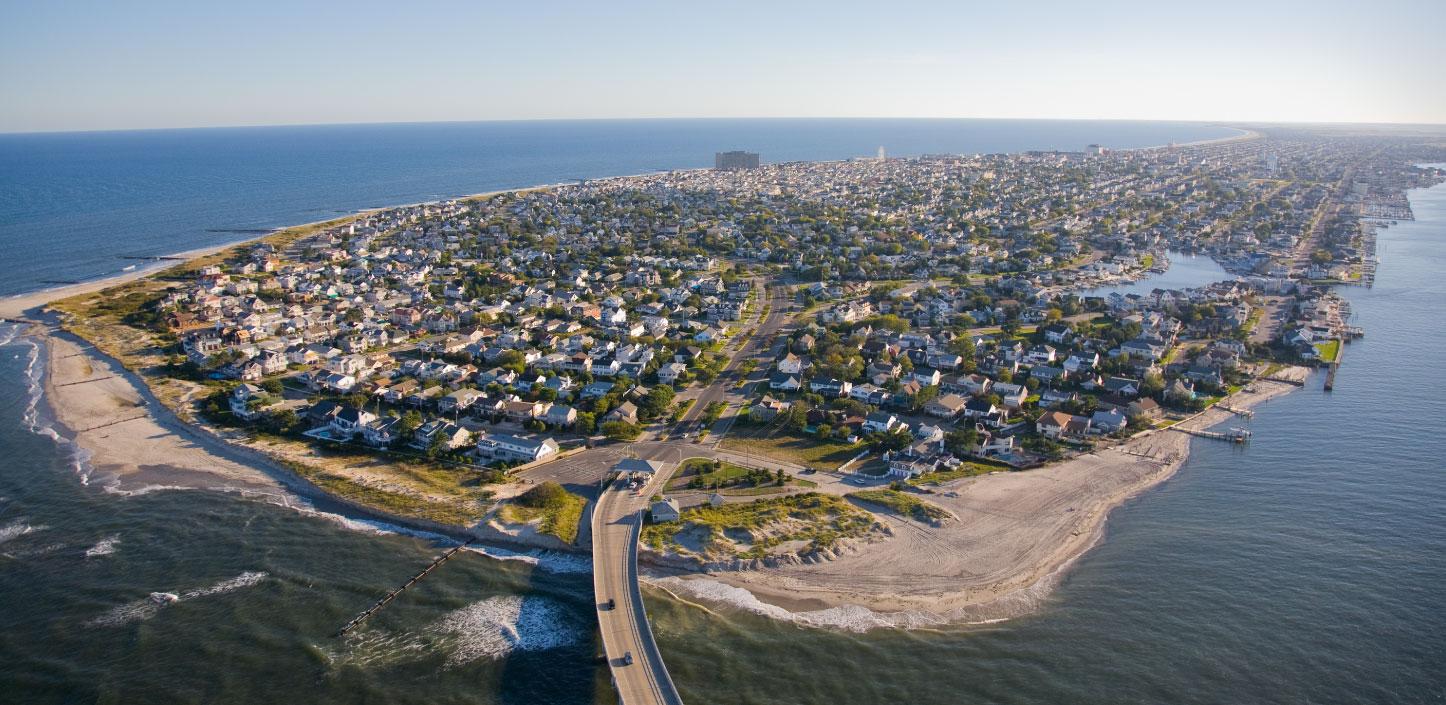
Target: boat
164 598
128 268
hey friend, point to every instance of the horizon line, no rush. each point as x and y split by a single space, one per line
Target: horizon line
372 123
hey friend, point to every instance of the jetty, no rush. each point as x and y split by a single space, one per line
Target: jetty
357 620
1236 434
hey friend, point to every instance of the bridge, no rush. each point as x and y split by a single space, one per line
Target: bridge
638 671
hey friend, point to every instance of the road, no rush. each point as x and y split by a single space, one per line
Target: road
638 671
758 337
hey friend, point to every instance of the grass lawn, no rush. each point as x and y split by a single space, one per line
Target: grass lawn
806 451
1328 350
729 479
902 503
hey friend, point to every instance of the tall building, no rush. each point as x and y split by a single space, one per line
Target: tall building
732 161
882 156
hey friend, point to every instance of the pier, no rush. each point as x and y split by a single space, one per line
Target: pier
357 620
1243 413
1234 435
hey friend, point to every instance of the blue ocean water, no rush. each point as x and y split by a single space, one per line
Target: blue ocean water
74 203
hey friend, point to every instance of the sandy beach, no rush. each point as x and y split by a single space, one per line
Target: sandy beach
1017 533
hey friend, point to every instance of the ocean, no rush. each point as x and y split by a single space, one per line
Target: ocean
76 203
1305 567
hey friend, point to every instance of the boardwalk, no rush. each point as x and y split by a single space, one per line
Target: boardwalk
616 525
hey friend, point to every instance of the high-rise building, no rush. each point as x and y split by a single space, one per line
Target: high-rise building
731 161
882 155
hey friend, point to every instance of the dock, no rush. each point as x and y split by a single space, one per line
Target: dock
1235 435
357 620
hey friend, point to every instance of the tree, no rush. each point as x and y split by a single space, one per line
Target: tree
657 401
586 422
620 431
410 422
780 478
962 441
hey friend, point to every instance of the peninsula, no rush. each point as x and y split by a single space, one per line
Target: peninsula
886 383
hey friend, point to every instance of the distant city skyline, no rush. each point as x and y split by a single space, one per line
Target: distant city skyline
159 63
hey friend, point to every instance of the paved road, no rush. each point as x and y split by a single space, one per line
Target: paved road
638 671
760 335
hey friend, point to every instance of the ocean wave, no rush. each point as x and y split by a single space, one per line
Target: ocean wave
38 425
146 608
104 547
857 618
16 529
487 629
551 561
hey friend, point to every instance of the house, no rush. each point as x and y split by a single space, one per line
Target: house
1057 333
767 409
883 422
978 408
946 407
1122 386
451 435
460 400
829 387
1103 422
560 415
1057 424
664 510
510 448
790 364
241 402
669 373
989 444
1011 395
626 412
381 432
1146 407
783 382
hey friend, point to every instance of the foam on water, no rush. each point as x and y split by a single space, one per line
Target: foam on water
551 561
146 608
488 629
857 618
33 419
16 529
104 547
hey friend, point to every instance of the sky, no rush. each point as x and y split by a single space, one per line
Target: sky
68 65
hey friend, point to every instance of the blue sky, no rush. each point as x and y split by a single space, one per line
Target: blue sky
115 65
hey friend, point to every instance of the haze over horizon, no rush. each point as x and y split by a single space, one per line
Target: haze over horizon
90 66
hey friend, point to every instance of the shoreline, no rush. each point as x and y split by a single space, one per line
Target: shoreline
1018 534
94 405
17 305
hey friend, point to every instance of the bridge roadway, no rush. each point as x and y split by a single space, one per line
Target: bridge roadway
638 671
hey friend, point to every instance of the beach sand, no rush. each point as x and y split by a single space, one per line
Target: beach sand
132 442
1017 532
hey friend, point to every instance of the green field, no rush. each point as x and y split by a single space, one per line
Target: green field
1328 350
806 451
730 479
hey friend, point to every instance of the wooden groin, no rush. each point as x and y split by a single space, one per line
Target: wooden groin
357 620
